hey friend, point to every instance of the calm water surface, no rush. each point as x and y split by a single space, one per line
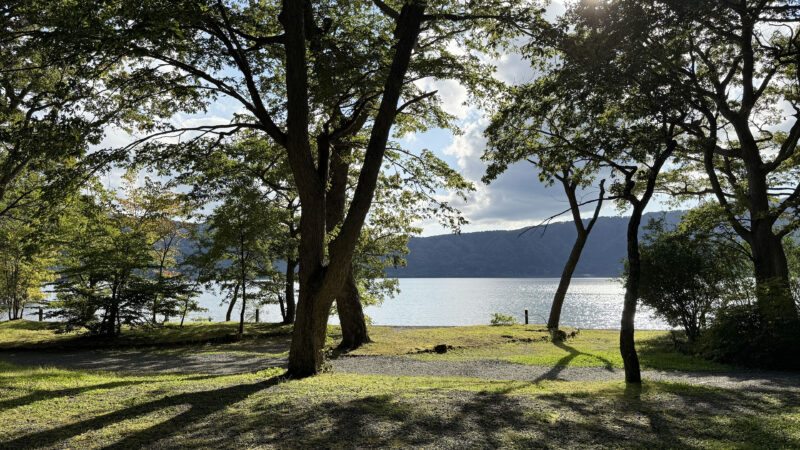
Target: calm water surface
590 303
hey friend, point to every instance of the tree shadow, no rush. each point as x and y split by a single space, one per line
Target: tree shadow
562 363
40 395
200 404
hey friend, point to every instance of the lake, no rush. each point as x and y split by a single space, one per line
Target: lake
590 303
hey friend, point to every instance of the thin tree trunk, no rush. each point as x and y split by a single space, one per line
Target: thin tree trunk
577 247
566 278
282 304
351 316
241 314
183 315
291 264
627 347
232 303
243 272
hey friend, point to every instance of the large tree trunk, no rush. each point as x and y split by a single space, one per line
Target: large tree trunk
232 303
566 278
351 316
626 339
319 283
775 302
291 264
773 292
348 301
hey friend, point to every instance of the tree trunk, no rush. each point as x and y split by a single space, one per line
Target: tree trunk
773 290
183 314
627 347
288 318
319 283
577 248
282 304
232 303
241 314
348 301
351 316
566 278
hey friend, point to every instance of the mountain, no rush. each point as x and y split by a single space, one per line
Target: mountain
534 254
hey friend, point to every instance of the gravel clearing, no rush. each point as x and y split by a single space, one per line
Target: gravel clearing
137 361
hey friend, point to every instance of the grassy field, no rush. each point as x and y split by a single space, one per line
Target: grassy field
29 335
524 344
60 408
88 409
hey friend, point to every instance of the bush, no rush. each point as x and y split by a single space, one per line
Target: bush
502 320
685 274
738 336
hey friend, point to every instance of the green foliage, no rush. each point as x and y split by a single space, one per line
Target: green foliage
502 320
738 335
114 267
237 248
687 273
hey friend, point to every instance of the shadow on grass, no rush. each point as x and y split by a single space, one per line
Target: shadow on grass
40 395
200 405
562 363
269 413
503 419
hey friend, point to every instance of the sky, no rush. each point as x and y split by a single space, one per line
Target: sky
515 200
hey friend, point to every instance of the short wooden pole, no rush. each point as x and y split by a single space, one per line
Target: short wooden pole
41 314
257 315
526 316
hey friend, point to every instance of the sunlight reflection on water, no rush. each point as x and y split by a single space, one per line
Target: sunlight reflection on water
590 303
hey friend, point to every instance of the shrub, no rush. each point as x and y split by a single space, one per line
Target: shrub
502 319
738 336
685 274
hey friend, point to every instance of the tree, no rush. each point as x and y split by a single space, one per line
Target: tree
56 102
164 210
25 260
737 73
338 75
630 121
108 262
549 143
237 248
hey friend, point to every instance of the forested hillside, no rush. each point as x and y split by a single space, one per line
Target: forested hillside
507 254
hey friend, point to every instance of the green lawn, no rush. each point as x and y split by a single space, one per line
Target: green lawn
25 334
60 408
524 344
588 348
89 409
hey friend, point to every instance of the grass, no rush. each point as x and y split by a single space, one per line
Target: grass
523 344
403 341
63 408
588 348
29 335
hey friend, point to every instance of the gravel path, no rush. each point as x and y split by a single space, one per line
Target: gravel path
502 370
137 361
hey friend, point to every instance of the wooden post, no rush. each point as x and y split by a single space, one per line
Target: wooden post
41 314
526 316
257 315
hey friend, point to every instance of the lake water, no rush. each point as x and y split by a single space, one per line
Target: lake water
590 303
